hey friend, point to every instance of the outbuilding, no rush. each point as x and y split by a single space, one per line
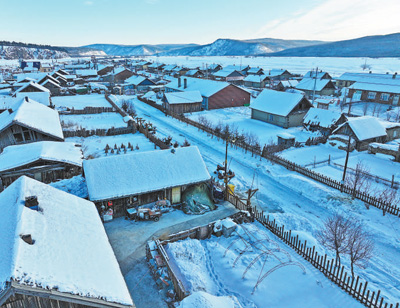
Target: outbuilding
280 108
183 102
124 181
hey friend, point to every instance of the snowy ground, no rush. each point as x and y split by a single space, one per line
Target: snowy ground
79 102
299 65
128 239
295 201
240 117
93 146
104 120
209 266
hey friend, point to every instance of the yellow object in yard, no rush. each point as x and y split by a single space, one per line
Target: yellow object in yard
231 188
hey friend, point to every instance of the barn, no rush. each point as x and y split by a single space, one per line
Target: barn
280 108
140 178
54 251
183 102
216 94
29 121
45 161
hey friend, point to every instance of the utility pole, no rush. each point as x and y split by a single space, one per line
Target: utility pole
345 163
315 84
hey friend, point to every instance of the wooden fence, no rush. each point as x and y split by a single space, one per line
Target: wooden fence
99 132
337 274
88 110
383 205
158 142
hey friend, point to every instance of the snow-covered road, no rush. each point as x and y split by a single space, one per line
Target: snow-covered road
294 200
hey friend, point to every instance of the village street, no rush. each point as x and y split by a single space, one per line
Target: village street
128 239
299 203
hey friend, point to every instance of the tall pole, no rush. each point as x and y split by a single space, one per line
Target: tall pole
315 84
226 169
345 163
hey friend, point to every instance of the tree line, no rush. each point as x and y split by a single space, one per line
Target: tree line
29 45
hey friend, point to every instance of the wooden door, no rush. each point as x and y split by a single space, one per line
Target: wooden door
176 195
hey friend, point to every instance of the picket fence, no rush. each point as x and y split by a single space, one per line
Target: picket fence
354 286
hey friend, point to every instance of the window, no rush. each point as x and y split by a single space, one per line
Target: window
18 137
371 95
385 97
271 117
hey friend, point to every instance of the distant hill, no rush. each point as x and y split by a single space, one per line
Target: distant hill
136 50
369 46
229 47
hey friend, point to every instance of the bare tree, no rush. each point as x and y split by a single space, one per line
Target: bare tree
334 235
128 107
360 246
359 178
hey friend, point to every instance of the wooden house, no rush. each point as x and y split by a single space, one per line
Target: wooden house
283 85
216 94
363 131
118 75
256 81
322 87
317 75
48 76
32 87
280 108
179 71
347 79
45 161
242 69
183 102
255 71
53 87
232 76
168 69
372 92
137 84
279 74
155 67
141 178
104 70
55 252
29 121
195 73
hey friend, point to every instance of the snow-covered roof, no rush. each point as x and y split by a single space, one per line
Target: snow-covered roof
289 83
376 87
276 72
51 82
35 76
39 87
322 117
71 251
365 127
254 70
119 70
191 72
308 84
87 72
15 156
206 87
226 72
40 97
370 78
312 74
276 102
136 80
34 115
255 78
186 97
169 67
107 178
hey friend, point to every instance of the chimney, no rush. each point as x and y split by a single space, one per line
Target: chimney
394 75
32 202
185 83
370 72
26 99
179 82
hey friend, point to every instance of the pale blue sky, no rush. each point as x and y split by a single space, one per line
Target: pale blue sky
81 22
